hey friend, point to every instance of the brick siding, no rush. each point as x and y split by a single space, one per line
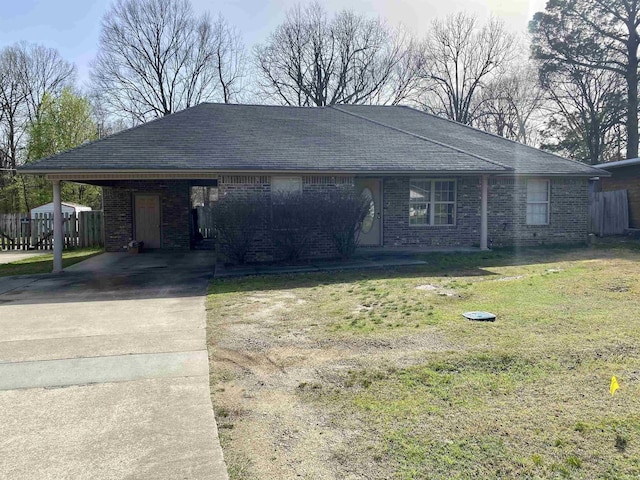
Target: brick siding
398 233
508 213
506 203
174 212
506 218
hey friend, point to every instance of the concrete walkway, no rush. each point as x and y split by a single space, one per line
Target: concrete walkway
364 258
104 371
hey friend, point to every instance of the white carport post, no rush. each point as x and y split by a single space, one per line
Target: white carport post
484 220
57 228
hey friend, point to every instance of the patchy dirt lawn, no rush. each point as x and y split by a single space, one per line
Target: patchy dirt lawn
375 374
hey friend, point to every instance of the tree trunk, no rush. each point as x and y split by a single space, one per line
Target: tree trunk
632 88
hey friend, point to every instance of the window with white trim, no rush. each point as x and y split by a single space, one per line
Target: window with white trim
432 202
286 184
538 193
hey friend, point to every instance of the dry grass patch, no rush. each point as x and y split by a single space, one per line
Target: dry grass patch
372 375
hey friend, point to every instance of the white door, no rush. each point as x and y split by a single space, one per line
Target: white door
148 220
371 230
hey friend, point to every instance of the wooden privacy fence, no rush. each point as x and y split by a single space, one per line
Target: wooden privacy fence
206 224
19 232
608 213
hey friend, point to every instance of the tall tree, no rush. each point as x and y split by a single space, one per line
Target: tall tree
460 57
156 57
229 60
314 60
594 34
510 105
588 112
26 72
63 122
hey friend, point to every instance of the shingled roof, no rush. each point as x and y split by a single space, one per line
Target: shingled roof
349 139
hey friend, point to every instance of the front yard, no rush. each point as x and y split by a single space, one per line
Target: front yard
375 374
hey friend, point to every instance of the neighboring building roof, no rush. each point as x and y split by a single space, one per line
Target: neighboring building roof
69 205
621 163
350 139
66 204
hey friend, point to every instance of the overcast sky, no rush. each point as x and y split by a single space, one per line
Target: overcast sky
73 26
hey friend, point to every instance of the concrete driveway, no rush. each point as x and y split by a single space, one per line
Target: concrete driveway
104 371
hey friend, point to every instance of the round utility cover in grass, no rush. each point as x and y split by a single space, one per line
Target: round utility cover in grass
480 316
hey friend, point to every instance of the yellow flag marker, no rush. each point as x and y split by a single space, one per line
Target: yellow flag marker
614 385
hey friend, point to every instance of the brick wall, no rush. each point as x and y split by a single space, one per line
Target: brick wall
118 218
507 213
567 217
626 178
397 231
174 212
506 219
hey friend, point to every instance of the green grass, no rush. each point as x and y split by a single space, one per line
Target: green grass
44 263
524 397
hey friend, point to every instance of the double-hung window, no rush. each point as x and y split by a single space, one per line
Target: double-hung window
538 191
432 202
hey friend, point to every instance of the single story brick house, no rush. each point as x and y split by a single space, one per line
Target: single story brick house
625 175
432 182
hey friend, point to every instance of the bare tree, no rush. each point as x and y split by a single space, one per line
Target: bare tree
588 115
314 60
12 106
156 57
27 72
595 35
46 72
405 82
230 61
511 105
460 57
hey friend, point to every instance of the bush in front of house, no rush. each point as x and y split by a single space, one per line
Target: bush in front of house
342 214
237 221
295 222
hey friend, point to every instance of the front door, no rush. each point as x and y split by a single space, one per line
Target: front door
371 230
148 220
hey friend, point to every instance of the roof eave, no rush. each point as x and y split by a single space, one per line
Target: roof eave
204 173
632 162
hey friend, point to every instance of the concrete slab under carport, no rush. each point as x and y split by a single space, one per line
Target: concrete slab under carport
104 371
